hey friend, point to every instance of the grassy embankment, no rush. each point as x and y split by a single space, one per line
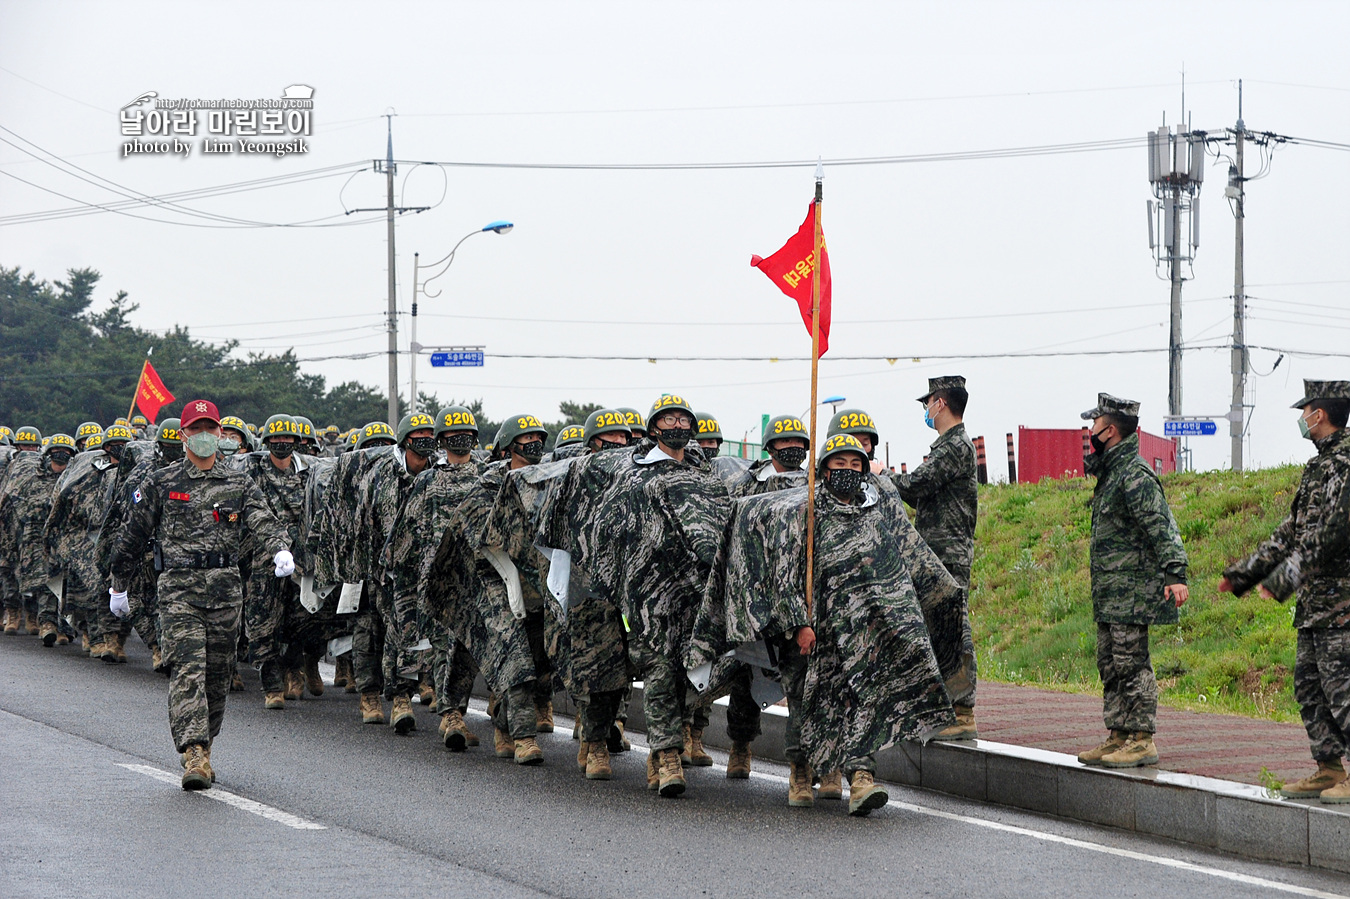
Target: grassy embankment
1031 602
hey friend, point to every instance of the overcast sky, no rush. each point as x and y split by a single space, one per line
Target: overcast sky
929 259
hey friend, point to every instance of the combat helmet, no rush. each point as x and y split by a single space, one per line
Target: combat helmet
637 425
607 421
855 422
28 436
515 427
569 435
376 430
839 444
87 430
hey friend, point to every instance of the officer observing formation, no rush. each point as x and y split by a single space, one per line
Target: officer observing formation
427 555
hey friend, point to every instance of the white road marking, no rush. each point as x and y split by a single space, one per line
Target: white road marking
225 796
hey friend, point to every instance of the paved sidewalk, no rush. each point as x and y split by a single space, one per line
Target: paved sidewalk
1228 747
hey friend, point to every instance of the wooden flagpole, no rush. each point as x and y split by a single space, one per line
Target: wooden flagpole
815 367
136 392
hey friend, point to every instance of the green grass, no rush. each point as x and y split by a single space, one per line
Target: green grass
1031 599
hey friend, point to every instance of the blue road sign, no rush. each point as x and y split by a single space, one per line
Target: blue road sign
460 359
1190 428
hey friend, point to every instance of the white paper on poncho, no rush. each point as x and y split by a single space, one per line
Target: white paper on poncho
57 584
339 646
350 598
515 596
560 576
308 598
422 644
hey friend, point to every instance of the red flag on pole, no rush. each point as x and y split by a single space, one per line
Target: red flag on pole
790 269
151 394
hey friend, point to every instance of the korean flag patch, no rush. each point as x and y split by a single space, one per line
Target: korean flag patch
136 496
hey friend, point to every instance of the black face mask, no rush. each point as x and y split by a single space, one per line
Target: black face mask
281 450
114 451
422 446
843 482
60 458
171 452
308 449
532 451
790 457
1098 445
459 442
675 438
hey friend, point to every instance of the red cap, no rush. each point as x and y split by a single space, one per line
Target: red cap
199 410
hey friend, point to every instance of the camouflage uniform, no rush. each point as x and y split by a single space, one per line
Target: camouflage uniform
1136 552
273 616
1309 553
387 488
24 506
944 492
13 461
201 520
83 494
872 679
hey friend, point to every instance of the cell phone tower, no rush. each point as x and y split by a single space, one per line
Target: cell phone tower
1176 170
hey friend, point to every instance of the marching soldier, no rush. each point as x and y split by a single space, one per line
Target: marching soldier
199 511
1310 553
24 506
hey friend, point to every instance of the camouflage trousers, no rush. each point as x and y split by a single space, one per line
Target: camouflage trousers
279 630
949 630
514 713
198 647
742 710
48 605
453 672
792 667
368 646
664 685
601 710
1322 688
9 590
1129 690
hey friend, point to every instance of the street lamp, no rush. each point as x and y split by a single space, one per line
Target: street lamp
498 227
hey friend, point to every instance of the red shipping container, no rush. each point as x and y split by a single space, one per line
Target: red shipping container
1058 453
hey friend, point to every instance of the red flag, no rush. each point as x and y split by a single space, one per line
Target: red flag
790 269
151 393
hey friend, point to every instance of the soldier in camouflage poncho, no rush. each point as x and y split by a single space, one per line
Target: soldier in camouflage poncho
84 493
200 511
24 506
1309 553
1138 580
858 667
20 609
944 492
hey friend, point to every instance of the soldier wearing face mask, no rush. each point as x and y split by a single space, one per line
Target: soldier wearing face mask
234 436
24 507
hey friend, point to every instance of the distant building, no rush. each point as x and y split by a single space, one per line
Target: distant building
1058 453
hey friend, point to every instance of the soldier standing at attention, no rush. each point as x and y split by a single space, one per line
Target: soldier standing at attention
1138 579
944 492
1310 553
199 510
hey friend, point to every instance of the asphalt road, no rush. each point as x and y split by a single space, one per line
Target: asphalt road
311 802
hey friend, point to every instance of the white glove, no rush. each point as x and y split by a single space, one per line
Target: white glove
285 563
118 605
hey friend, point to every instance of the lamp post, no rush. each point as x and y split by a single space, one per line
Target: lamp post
448 259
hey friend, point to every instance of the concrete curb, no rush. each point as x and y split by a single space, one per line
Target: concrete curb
1218 814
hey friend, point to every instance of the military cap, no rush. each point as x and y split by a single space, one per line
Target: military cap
1323 390
1111 405
946 382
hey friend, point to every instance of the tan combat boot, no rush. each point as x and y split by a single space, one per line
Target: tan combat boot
502 744
597 762
401 716
236 685
799 786
699 758
653 771
109 653
671 773
274 700
685 758
583 753
1337 795
61 638
831 785
426 694
963 729
48 634
295 685
865 794
206 760
196 769
11 622
96 650
470 738
1116 740
1329 775
372 709
313 679
456 735
543 716
738 763
120 645
1137 752
527 752
156 657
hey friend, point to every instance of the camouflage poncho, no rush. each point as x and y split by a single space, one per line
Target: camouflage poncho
872 679
25 503
83 494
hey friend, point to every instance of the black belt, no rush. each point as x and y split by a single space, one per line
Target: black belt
201 560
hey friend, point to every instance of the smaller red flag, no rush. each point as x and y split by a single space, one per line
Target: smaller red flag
791 268
151 394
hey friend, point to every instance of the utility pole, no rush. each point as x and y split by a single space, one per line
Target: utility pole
1239 352
387 166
